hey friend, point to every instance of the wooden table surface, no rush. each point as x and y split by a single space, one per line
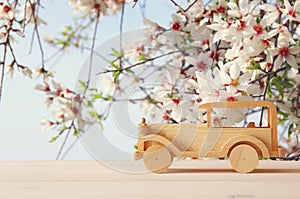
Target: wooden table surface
185 179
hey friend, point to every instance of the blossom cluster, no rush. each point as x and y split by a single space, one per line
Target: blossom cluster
228 51
68 113
13 19
91 7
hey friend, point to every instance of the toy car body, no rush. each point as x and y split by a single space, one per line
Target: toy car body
158 144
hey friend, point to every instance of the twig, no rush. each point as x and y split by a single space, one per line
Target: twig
69 148
268 74
3 63
264 97
207 3
135 2
87 83
99 55
139 63
180 9
64 142
191 5
121 32
142 8
92 54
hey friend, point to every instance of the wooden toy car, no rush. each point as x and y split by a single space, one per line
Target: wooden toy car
158 144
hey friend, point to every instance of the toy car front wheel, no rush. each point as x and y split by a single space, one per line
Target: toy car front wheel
243 158
157 158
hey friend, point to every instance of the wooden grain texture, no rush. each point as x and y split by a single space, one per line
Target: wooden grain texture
184 179
194 140
243 158
157 159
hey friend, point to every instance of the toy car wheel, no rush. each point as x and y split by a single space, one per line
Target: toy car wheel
243 158
157 158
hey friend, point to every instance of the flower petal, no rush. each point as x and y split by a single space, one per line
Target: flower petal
294 50
234 71
291 60
278 62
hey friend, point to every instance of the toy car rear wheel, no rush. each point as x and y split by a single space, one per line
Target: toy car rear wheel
243 158
157 158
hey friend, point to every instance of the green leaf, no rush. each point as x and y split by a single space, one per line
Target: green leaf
129 71
89 103
286 84
136 147
142 57
283 114
258 19
82 84
189 37
109 98
278 86
290 130
93 89
62 42
53 139
168 95
114 65
96 96
94 114
116 76
254 66
269 91
281 121
76 132
69 28
101 125
21 21
117 53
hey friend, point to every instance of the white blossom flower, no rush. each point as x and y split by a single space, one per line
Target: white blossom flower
221 27
285 52
46 124
243 8
10 71
42 87
153 111
292 12
6 11
88 6
200 63
207 85
108 83
196 10
219 7
37 72
237 81
27 72
28 13
272 12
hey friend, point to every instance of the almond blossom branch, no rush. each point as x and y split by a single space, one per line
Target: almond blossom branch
268 74
139 63
72 126
65 139
35 7
3 69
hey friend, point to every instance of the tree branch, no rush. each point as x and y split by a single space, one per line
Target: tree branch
267 75
180 9
139 63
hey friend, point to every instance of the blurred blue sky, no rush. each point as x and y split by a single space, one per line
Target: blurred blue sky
22 107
